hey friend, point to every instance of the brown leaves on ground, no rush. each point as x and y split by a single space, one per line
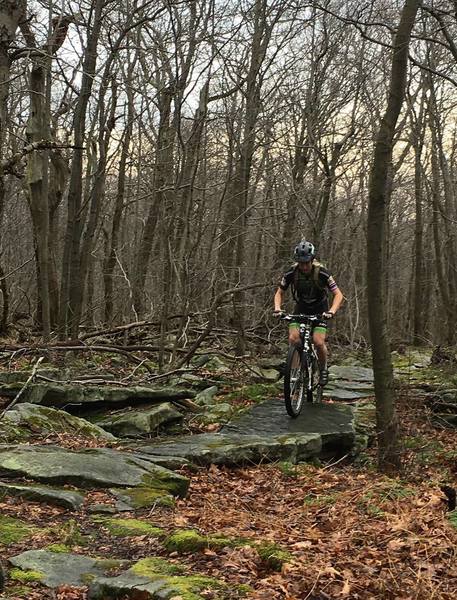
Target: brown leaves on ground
352 533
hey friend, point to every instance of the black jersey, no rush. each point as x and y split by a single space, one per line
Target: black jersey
309 289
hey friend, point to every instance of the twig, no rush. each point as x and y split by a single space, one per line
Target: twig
168 373
16 269
23 388
185 403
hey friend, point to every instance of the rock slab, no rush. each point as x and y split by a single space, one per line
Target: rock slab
95 468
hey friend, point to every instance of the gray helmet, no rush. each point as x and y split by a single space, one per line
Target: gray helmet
304 251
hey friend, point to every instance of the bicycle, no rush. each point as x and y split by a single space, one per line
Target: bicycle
302 372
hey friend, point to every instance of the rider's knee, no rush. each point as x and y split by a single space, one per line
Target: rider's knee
319 343
294 338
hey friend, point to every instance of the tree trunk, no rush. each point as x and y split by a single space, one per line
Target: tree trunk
71 287
387 424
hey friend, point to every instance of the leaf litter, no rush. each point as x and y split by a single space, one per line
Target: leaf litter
351 532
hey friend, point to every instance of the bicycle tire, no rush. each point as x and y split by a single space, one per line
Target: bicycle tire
314 389
294 382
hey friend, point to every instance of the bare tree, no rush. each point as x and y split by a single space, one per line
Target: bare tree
387 425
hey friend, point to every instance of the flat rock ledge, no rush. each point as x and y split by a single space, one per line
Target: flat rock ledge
94 468
68 396
149 578
39 493
267 433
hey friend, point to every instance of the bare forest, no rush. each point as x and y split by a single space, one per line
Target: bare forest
157 155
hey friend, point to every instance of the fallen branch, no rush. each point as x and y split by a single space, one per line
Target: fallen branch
185 403
23 388
80 348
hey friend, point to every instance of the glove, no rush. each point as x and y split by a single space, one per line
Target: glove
278 313
328 315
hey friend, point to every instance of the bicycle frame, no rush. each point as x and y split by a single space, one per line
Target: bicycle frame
308 363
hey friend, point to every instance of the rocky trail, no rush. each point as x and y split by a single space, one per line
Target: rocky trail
195 489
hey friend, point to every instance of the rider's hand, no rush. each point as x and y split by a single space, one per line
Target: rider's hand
278 313
328 314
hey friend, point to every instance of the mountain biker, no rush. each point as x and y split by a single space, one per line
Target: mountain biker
309 282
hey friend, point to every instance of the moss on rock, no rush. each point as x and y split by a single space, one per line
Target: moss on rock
189 540
129 527
25 576
152 566
188 587
144 497
58 548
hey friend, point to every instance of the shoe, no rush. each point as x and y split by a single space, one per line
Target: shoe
324 377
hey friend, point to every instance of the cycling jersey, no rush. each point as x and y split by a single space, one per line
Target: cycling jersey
309 289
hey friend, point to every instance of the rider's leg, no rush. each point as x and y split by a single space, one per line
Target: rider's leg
294 337
319 336
294 334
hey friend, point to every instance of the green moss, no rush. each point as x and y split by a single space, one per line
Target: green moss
288 469
144 497
453 518
25 576
150 567
129 527
273 555
177 486
189 540
59 548
12 530
187 587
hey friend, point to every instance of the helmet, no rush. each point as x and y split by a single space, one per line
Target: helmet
304 251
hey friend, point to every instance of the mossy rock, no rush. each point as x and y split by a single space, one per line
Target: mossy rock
152 578
25 576
143 497
128 527
153 566
13 530
58 548
189 540
60 568
44 420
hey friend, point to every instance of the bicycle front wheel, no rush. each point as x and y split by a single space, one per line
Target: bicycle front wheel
313 387
294 382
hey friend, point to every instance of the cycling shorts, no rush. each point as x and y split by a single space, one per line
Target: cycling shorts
319 327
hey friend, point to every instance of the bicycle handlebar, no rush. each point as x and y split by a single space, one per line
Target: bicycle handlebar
302 318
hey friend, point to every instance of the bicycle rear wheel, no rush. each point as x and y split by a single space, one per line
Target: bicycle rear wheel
294 382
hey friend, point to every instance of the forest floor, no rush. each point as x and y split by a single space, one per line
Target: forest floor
350 531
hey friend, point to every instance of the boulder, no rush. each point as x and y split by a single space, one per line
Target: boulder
264 374
87 396
40 493
44 420
60 568
137 423
231 449
266 433
206 396
156 579
94 468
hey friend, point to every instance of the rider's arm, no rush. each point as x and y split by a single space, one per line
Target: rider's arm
337 300
278 299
